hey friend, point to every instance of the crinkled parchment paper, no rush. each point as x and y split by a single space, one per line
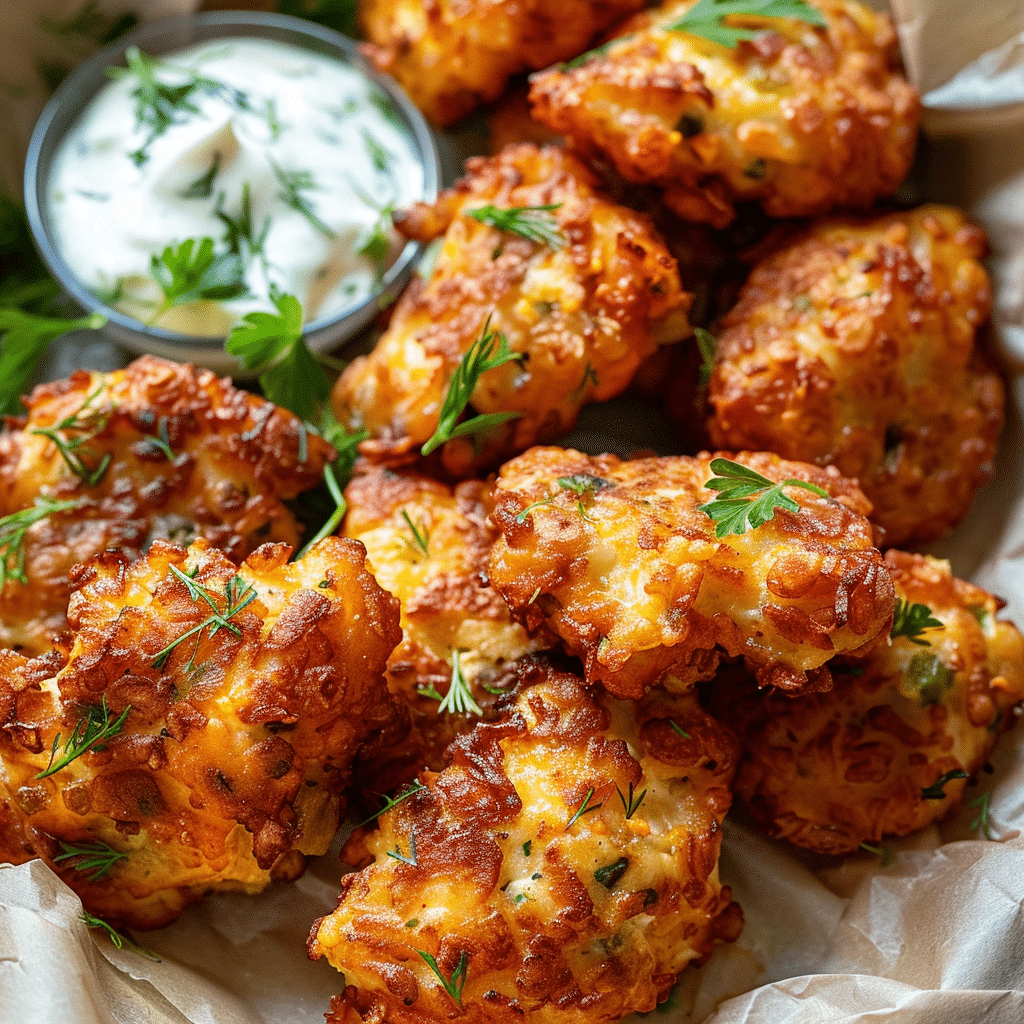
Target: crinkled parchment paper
937 937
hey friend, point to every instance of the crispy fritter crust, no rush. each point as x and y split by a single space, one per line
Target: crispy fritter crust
584 315
236 750
450 55
235 459
560 916
634 581
833 770
446 606
800 119
855 346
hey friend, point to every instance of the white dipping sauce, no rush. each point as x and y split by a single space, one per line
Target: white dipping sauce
320 150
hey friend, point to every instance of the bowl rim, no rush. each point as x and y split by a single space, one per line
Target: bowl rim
177 32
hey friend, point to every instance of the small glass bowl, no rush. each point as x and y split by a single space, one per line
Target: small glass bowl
165 36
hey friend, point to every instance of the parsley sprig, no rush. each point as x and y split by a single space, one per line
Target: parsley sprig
746 499
488 352
238 595
14 528
455 984
193 270
911 620
707 18
92 730
98 857
534 223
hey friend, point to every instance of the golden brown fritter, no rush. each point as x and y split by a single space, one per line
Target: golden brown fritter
583 315
157 450
800 119
855 346
563 867
427 544
617 559
450 55
242 694
833 770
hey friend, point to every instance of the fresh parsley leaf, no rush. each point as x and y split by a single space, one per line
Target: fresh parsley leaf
25 337
535 223
192 271
937 790
707 343
911 620
488 352
707 18
747 499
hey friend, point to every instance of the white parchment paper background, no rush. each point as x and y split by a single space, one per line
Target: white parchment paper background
935 938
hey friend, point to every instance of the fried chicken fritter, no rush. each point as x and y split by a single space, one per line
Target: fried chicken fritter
157 450
855 346
872 758
583 314
451 55
563 867
616 558
428 545
800 119
227 703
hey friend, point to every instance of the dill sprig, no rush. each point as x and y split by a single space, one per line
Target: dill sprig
534 223
413 789
707 18
97 857
747 499
677 729
459 698
237 596
937 790
293 184
13 530
420 534
707 344
92 730
630 804
87 423
981 801
239 233
488 352
911 620
118 940
455 984
584 808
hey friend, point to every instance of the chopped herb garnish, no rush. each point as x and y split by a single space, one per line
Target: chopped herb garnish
747 499
13 529
526 847
488 352
376 246
117 939
931 676
454 985
202 187
611 873
677 729
414 788
756 169
92 730
25 337
584 808
981 801
936 791
707 18
535 223
239 234
883 852
86 423
97 857
397 854
707 344
237 596
911 620
412 922
420 534
629 804
378 154
192 271
459 698
293 184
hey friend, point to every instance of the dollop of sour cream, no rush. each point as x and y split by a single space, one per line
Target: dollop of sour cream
287 160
